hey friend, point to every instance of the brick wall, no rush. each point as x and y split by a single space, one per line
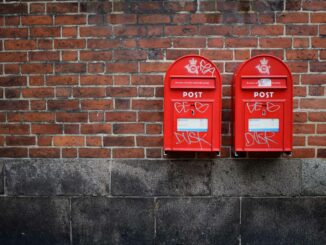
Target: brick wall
85 79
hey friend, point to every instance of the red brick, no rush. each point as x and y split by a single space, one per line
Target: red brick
70 68
241 42
300 42
69 44
13 81
95 55
31 117
302 30
317 66
8 32
96 116
36 20
45 56
292 17
63 92
96 104
148 67
139 104
94 153
69 140
189 42
96 68
206 18
13 57
122 18
215 43
20 44
46 129
38 105
122 67
321 153
301 54
155 43
62 80
316 91
122 116
89 92
95 31
318 42
267 30
130 55
38 92
313 5
13 152
13 105
128 152
118 141
20 140
182 30
44 140
299 91
45 44
150 116
317 140
147 80
303 153
71 129
217 54
69 153
44 152
275 42
153 153
94 141
121 92
300 117
153 129
149 141
70 20
128 128
103 44
63 105
304 128
317 116
69 32
37 68
313 103
62 8
299 140
96 80
172 54
14 129
71 117
145 92
321 129
153 19
313 79
96 129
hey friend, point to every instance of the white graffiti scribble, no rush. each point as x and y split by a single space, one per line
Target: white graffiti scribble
203 67
259 138
206 68
192 67
258 106
263 67
184 107
189 138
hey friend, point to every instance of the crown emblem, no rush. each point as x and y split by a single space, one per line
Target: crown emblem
263 67
192 62
192 67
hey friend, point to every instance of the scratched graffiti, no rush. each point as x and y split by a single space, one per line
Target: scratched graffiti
184 107
190 138
258 106
260 138
203 67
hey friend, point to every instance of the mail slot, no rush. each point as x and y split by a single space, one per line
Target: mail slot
262 105
192 105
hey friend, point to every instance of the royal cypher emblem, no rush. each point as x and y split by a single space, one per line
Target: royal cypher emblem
263 67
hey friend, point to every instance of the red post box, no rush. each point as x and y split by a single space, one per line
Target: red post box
262 105
192 105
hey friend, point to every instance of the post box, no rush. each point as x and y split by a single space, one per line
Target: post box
262 105
192 105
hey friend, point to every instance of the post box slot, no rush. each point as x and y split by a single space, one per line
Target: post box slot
202 82
263 82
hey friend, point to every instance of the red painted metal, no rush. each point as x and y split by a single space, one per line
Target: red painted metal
263 105
192 105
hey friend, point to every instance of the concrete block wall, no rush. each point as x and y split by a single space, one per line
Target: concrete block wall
97 201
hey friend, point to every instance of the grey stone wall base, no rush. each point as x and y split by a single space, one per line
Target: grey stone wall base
92 201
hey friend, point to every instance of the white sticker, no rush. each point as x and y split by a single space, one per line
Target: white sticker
264 125
193 125
265 82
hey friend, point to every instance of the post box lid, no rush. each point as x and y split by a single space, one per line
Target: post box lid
192 71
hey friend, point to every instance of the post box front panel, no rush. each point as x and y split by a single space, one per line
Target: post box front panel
263 125
192 105
263 105
192 127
